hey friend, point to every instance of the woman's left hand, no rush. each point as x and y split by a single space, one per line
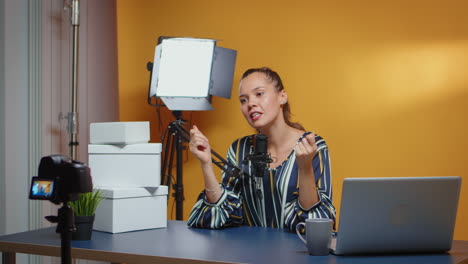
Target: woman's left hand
305 151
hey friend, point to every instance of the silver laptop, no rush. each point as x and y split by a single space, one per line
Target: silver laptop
397 215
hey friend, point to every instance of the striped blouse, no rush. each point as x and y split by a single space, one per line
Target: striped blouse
271 201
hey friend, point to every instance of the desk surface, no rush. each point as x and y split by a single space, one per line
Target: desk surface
180 244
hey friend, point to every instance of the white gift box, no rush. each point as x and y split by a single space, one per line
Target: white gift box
119 133
136 165
131 209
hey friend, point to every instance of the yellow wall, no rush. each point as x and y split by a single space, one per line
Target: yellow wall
384 82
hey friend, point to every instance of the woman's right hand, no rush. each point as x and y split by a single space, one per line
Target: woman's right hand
199 145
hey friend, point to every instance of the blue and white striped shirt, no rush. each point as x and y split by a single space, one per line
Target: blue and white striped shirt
278 206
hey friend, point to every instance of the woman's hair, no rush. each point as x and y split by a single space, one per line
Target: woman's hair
272 76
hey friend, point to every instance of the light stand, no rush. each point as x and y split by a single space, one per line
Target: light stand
179 139
175 140
72 117
65 219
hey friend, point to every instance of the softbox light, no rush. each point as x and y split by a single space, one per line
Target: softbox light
187 72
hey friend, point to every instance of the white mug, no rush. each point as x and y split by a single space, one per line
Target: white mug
318 235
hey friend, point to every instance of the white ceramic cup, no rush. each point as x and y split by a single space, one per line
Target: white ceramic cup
318 235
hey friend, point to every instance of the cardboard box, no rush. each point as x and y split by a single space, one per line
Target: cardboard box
131 209
136 165
119 133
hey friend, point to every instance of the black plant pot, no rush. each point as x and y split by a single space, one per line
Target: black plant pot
84 227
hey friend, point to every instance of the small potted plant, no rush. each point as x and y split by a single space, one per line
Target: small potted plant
84 209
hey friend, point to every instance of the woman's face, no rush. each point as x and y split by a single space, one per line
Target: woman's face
260 102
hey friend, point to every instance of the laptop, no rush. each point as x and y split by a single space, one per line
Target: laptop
397 215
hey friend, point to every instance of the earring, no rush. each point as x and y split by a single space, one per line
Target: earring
284 102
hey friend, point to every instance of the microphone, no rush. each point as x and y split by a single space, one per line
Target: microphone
260 159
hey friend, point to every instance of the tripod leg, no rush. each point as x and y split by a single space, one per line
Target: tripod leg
8 257
169 160
179 195
66 225
66 247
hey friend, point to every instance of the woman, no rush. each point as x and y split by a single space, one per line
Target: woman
297 185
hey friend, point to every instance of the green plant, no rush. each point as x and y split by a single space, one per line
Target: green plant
87 203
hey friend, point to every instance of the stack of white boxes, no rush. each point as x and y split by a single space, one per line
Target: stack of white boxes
126 168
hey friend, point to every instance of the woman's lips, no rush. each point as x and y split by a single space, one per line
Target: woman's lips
255 115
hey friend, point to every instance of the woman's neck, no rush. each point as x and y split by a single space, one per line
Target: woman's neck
281 141
281 136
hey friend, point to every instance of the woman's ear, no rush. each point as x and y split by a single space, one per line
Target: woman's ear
283 97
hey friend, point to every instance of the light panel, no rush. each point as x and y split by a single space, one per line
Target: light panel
187 69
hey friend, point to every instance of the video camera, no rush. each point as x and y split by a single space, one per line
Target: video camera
60 179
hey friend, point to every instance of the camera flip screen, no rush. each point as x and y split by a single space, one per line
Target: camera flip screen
41 188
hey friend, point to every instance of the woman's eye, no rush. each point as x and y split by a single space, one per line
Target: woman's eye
259 93
242 101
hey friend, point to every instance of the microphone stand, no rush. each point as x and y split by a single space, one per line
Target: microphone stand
217 160
178 135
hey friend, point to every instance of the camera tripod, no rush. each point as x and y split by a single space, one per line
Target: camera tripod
65 226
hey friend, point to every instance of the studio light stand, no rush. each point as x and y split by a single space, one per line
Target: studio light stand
65 218
72 117
176 140
186 73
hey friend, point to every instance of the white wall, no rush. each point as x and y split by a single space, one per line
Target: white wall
14 120
14 140
2 116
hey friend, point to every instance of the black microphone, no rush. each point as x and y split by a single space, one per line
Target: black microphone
260 158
